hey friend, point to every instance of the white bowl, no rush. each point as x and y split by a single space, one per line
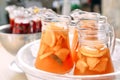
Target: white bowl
25 60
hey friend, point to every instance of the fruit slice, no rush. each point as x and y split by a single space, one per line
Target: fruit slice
101 67
80 56
56 48
62 53
46 55
92 62
91 52
103 51
49 38
59 41
64 33
81 65
42 49
61 33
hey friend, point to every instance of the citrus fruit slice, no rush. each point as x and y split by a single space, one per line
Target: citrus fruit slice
80 56
92 62
102 65
91 52
46 55
42 49
62 53
59 41
49 38
56 48
81 65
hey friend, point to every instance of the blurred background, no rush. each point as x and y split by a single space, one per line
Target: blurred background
109 8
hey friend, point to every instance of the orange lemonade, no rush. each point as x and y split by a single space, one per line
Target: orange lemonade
93 59
54 53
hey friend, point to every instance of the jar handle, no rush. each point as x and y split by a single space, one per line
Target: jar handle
111 34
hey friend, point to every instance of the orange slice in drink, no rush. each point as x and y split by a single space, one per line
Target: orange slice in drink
91 52
59 30
81 65
80 56
49 38
92 62
64 34
42 49
56 48
62 53
59 41
102 65
46 55
58 44
61 33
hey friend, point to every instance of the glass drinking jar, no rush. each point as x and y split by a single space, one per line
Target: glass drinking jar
82 20
54 53
93 55
95 37
22 23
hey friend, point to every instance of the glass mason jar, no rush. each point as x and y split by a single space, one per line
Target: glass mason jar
22 23
95 37
54 53
36 23
82 20
35 18
93 52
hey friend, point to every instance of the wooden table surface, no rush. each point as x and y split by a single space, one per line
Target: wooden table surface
5 72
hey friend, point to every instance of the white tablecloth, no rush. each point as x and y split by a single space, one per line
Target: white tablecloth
5 72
